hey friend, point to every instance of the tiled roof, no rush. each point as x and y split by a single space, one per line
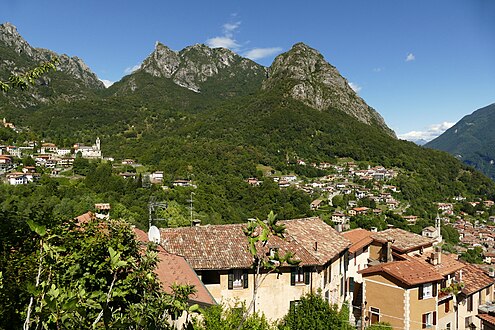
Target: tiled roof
474 279
410 272
84 218
402 241
226 247
448 263
487 318
359 238
174 269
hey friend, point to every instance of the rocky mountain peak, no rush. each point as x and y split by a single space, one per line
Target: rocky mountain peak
19 56
194 65
309 78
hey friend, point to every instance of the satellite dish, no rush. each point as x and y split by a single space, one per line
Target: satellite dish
154 235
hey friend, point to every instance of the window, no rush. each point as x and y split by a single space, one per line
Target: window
299 276
470 303
429 319
238 279
467 322
374 315
427 290
448 326
210 277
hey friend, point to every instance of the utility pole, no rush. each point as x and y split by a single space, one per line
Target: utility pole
191 206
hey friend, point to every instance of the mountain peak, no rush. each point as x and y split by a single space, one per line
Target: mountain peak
306 76
194 65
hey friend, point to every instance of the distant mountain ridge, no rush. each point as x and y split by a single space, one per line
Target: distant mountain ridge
73 77
471 140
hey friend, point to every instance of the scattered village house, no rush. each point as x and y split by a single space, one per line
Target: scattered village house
414 286
220 256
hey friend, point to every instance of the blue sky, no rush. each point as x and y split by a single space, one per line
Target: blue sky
422 64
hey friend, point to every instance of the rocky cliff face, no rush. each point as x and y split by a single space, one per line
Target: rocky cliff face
30 56
304 75
196 65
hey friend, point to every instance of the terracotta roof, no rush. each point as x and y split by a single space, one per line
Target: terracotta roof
359 238
487 318
173 269
402 241
448 263
474 279
226 247
410 272
84 218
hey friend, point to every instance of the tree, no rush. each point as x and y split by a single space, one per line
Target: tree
23 80
473 256
258 234
312 312
87 277
219 317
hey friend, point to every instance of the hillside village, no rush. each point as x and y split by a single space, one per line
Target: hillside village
392 276
351 267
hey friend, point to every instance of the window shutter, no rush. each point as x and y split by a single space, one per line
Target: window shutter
351 284
231 279
423 321
434 318
245 278
434 289
447 306
420 292
306 276
293 277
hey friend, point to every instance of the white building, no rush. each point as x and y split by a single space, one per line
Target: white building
89 152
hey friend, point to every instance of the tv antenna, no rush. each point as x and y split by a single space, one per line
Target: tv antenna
153 206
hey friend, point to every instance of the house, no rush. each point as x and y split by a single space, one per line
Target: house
182 183
358 259
17 178
127 175
397 241
102 210
48 148
253 181
430 232
156 177
407 293
411 219
315 205
476 295
220 256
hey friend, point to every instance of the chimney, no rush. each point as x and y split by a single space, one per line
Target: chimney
196 223
491 272
460 275
316 246
374 229
389 251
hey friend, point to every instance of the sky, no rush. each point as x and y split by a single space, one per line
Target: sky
422 64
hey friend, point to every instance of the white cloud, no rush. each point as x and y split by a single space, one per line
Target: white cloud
131 69
230 28
224 42
107 83
429 134
257 53
355 87
410 57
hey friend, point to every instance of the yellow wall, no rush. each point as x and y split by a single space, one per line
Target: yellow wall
276 293
419 307
385 295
